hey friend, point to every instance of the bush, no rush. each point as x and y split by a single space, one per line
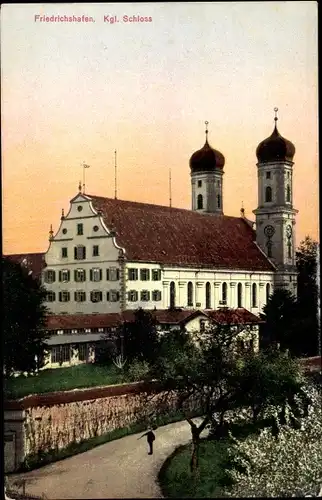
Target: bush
138 370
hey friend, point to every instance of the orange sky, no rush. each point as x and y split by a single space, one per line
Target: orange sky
74 92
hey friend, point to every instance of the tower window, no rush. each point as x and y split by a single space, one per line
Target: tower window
269 246
268 175
190 294
288 194
268 194
289 250
199 202
218 201
254 295
199 184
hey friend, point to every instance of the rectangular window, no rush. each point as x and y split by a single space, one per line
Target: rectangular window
79 275
80 229
82 352
133 274
96 296
65 353
51 297
156 274
145 295
79 252
133 296
156 295
64 296
80 296
145 274
95 274
199 184
112 274
268 175
96 251
50 276
55 354
64 275
113 296
64 252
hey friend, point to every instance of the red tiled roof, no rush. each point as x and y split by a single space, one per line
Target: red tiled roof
154 233
238 316
74 321
165 316
35 262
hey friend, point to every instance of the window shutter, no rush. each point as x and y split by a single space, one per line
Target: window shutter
100 274
107 274
107 296
136 296
101 296
54 276
84 275
75 296
75 275
117 274
75 253
60 297
84 252
68 275
91 274
60 275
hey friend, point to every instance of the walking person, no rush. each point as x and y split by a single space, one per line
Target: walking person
150 437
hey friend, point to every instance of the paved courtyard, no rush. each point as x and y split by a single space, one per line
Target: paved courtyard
119 469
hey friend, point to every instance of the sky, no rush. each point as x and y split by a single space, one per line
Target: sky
74 92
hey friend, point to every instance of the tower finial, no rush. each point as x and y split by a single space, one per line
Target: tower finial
206 131
242 210
276 117
80 186
51 232
62 213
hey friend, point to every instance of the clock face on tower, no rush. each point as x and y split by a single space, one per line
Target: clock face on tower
269 231
288 231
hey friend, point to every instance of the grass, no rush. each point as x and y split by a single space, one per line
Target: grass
35 461
175 478
63 379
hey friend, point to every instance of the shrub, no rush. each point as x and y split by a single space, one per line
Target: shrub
138 370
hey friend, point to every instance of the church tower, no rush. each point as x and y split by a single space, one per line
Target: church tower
206 167
275 214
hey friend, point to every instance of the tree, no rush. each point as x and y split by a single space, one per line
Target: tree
24 320
280 320
307 297
141 338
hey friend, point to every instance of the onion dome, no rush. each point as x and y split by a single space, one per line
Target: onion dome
275 147
206 159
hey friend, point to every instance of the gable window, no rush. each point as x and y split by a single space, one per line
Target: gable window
268 292
218 201
80 229
145 295
95 274
79 275
112 274
268 175
172 295
254 295
190 293
96 296
224 293
133 274
268 194
199 202
96 251
50 276
208 295
64 252
64 275
133 296
156 274
288 194
145 274
51 297
80 252
64 296
199 184
239 295
80 296
113 296
156 295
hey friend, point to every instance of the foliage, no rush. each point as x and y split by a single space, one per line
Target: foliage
289 464
141 337
105 351
24 337
138 370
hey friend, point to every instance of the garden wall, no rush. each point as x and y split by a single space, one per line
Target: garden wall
53 421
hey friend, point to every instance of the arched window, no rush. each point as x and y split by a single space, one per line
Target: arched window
289 249
269 246
208 295
218 201
224 292
190 294
268 194
199 202
288 194
268 291
254 295
172 295
240 295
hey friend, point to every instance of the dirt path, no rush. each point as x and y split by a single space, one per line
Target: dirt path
119 469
